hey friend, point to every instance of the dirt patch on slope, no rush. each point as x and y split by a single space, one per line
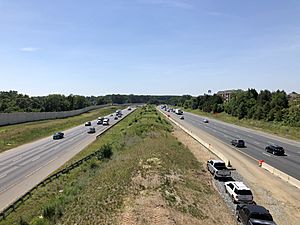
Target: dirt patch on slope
172 198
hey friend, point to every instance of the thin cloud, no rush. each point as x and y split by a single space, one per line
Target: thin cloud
171 3
220 14
29 49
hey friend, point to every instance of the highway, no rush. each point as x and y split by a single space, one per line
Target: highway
23 167
256 142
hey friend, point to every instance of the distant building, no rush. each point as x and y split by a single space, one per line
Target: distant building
226 95
293 95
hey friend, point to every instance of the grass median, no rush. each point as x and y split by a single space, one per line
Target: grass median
292 133
150 178
12 136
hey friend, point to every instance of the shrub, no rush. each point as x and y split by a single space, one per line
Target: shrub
106 151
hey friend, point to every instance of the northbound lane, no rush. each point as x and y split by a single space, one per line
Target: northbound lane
255 142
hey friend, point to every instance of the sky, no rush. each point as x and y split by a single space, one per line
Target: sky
156 47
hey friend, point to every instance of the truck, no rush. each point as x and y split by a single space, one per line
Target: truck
218 169
178 111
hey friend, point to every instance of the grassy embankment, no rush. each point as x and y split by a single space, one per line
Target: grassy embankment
147 158
12 136
269 127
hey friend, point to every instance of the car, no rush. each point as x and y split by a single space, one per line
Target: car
105 122
99 121
253 215
111 114
92 130
58 135
275 149
182 117
238 143
116 117
205 120
88 123
238 192
129 108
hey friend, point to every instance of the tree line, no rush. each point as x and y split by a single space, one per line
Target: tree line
269 106
274 106
12 101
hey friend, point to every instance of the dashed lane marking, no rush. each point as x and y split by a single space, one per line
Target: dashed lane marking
3 175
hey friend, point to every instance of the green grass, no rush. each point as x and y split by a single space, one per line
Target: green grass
94 192
15 135
265 126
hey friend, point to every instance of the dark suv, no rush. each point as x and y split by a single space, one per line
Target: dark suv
275 149
58 135
238 143
253 215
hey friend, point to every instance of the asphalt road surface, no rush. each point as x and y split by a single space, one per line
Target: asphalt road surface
23 167
255 142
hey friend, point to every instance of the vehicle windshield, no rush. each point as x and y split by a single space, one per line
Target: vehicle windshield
243 192
260 216
220 165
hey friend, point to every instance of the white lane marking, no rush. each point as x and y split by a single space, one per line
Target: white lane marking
3 175
266 154
225 135
28 175
255 142
250 135
35 158
17 158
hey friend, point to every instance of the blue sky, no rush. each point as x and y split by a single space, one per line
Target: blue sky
98 47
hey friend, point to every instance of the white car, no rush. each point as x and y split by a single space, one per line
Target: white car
205 120
105 122
238 192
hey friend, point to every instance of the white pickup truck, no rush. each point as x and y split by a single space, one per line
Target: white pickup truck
218 169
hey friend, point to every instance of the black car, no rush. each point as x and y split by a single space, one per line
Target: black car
238 143
275 149
88 123
58 135
92 130
253 215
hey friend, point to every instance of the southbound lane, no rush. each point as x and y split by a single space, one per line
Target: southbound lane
16 165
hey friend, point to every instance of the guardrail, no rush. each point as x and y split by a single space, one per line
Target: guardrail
291 180
13 206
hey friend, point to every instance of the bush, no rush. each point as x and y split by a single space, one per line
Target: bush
105 152
23 222
52 211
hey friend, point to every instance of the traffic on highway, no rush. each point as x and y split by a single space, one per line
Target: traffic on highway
283 154
24 166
